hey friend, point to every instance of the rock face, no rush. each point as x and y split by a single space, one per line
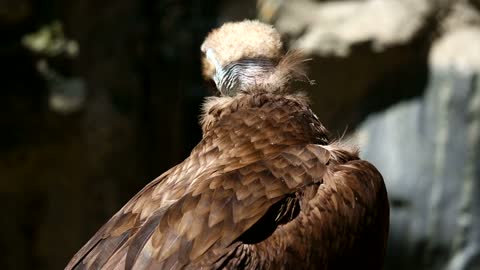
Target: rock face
428 150
334 28
425 137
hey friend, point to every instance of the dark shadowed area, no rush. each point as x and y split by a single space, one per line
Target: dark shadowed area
100 97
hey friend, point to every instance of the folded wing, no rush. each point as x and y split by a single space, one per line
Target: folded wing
210 215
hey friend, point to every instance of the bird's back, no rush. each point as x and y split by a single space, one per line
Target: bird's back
265 188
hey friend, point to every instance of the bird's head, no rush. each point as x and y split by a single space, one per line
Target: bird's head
242 56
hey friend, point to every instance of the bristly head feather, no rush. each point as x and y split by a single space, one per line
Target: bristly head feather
291 67
238 40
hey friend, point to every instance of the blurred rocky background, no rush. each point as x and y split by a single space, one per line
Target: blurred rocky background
99 97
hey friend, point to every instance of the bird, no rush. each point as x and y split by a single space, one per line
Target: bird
265 188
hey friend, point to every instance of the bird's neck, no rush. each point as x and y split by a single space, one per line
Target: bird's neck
244 75
263 107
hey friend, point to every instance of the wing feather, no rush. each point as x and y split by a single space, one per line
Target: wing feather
351 213
205 222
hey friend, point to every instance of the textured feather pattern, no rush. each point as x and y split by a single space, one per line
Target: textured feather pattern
264 189
271 75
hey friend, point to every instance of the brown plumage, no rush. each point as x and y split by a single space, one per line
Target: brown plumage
265 188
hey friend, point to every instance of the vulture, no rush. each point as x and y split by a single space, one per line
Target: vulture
265 188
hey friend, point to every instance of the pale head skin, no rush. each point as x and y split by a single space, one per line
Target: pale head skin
239 40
